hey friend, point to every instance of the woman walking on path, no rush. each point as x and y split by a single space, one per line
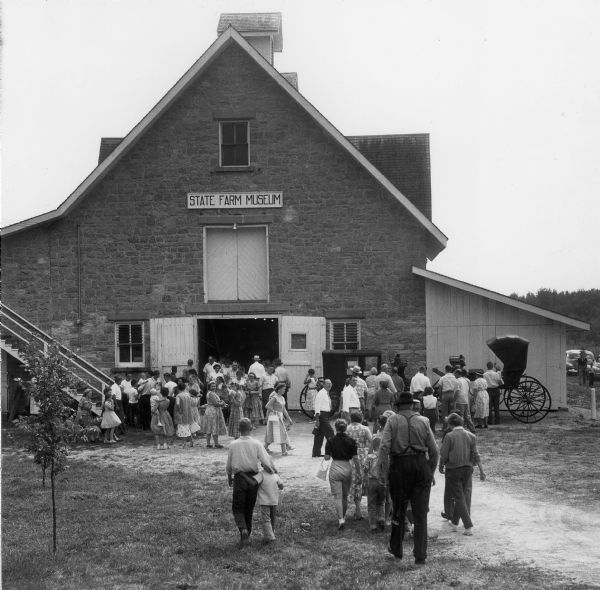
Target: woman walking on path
253 404
382 402
371 381
215 423
161 424
362 437
342 449
276 423
482 402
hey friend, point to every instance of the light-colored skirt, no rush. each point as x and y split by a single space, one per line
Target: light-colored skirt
340 477
110 419
164 418
276 431
482 404
184 431
253 407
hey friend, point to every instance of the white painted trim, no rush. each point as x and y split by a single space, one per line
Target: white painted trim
468 287
221 165
119 364
213 51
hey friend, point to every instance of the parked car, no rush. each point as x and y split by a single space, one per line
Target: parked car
572 365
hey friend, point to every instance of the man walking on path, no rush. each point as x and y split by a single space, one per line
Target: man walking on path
494 380
461 398
406 440
244 459
322 430
419 382
361 388
457 457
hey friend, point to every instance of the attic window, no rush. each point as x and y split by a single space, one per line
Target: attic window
344 335
234 145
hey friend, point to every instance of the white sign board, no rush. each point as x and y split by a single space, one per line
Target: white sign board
234 200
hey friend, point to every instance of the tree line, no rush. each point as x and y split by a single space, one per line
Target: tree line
582 305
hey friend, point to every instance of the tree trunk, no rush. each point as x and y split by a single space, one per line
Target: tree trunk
53 509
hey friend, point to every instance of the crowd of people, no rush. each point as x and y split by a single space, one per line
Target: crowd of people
382 445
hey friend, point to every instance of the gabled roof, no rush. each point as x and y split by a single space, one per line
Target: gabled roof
436 241
546 313
254 22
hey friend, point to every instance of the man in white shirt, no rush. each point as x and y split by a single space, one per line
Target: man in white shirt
322 429
361 387
446 387
349 400
385 376
169 383
419 382
282 376
494 381
115 389
244 459
461 398
257 367
209 372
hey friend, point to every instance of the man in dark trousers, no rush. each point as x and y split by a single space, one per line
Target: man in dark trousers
245 457
458 455
408 443
322 428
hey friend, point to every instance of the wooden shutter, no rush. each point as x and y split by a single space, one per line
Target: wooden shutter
221 264
252 263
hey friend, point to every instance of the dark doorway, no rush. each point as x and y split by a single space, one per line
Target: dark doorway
238 339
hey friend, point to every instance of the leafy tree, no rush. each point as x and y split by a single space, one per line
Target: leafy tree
51 430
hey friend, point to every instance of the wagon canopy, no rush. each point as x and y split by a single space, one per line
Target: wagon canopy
512 351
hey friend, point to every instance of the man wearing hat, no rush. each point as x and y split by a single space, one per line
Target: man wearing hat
244 459
408 445
361 387
257 368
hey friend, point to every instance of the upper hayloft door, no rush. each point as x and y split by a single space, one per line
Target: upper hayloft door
236 263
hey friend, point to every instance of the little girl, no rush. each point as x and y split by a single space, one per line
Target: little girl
311 392
110 420
182 415
161 424
268 500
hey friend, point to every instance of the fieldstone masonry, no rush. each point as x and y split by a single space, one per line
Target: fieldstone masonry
341 241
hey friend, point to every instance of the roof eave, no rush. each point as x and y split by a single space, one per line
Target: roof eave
551 315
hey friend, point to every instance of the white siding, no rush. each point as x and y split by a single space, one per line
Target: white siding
459 322
172 342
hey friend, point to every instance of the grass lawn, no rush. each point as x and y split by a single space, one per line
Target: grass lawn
579 395
122 529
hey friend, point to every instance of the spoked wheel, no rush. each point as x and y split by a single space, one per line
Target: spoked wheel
308 412
528 401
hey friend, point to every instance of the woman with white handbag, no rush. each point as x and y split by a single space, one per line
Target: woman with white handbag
276 421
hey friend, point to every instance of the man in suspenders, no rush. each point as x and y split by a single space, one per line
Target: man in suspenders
409 444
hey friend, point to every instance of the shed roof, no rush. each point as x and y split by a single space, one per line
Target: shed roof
475 290
435 239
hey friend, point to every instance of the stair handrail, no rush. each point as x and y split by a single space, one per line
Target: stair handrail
51 340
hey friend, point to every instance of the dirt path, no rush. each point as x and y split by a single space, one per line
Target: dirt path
510 523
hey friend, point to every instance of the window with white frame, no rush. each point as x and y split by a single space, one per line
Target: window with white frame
298 341
236 263
129 344
344 335
234 143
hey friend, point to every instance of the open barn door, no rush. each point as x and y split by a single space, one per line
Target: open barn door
301 344
172 342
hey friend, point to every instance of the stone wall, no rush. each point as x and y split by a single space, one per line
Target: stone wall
340 241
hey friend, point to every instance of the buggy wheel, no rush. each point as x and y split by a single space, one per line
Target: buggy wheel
310 414
528 401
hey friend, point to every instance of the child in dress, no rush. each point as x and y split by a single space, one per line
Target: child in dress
376 492
110 420
268 500
161 424
182 415
311 392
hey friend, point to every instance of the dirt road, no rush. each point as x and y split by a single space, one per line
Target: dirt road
511 522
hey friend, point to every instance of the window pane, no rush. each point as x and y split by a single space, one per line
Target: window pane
241 133
298 341
228 155
227 133
241 155
124 354
123 334
137 353
136 333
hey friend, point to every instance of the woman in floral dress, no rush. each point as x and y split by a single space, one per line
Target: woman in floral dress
362 436
215 423
253 405
182 415
161 424
276 423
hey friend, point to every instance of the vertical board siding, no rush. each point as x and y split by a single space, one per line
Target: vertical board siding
459 322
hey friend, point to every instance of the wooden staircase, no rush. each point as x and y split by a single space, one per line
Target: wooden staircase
16 332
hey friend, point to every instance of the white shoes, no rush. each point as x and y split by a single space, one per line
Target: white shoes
468 532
